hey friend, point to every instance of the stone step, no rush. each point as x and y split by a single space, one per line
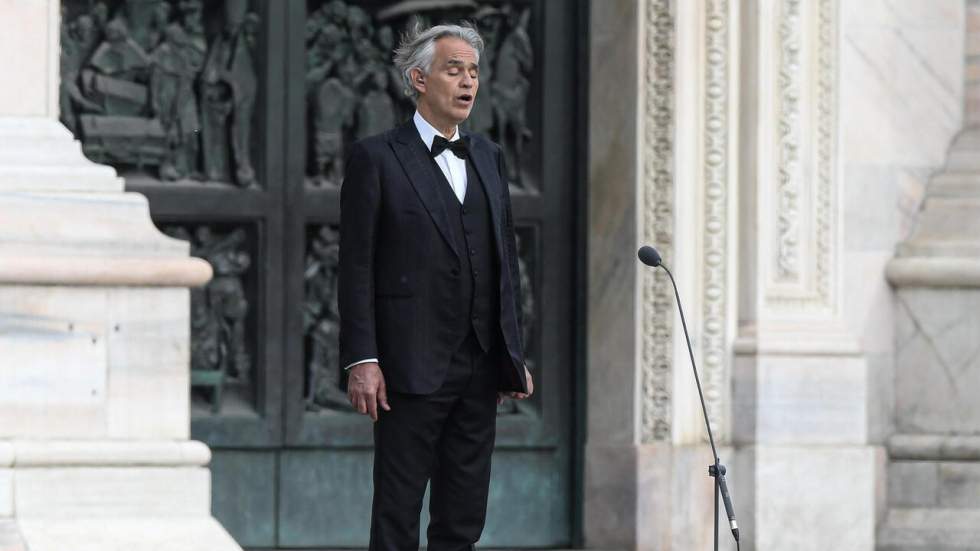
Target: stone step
917 529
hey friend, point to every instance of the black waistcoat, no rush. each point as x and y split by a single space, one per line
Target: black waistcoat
478 280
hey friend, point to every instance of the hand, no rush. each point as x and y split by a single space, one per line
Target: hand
519 395
366 389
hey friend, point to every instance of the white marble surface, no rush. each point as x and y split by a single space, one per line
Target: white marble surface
143 533
30 55
6 493
149 359
938 361
800 400
114 362
811 498
108 224
109 492
901 80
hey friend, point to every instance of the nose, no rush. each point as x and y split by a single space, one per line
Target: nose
467 80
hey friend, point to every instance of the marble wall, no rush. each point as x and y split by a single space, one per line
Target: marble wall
901 104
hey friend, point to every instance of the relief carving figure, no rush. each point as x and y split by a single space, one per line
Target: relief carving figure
371 97
229 85
333 112
376 113
321 323
218 310
78 40
510 89
177 61
226 295
330 77
141 88
488 20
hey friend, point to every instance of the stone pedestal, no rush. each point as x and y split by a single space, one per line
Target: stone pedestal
934 457
94 336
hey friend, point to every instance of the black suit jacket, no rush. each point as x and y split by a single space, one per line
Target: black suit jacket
397 256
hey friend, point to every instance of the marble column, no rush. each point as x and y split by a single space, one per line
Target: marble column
806 474
94 335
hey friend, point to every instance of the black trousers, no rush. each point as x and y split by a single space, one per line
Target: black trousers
446 437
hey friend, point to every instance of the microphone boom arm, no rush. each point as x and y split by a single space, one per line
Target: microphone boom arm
650 257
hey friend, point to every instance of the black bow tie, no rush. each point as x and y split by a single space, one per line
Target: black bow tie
458 147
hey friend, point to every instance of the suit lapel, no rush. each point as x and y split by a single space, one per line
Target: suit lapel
414 159
486 169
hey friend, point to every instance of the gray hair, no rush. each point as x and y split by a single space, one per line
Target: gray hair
418 49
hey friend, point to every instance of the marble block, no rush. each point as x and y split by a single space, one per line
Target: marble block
112 492
94 362
146 533
807 498
796 399
936 342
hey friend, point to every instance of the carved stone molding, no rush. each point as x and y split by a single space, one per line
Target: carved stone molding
799 254
715 253
657 226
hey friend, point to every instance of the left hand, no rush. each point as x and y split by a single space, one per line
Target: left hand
519 395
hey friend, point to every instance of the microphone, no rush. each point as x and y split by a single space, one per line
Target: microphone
649 256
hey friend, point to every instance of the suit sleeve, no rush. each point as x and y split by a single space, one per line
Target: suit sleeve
360 200
511 244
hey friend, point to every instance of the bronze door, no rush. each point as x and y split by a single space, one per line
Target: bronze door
232 117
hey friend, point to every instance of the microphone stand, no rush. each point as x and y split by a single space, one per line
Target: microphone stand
716 470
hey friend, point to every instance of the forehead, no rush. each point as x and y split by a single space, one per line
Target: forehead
452 49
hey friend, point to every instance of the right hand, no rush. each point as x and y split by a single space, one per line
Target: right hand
366 389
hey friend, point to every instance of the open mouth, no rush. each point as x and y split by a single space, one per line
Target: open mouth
465 98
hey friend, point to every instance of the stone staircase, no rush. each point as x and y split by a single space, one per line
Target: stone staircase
933 494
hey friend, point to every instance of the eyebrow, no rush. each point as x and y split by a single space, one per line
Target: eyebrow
461 63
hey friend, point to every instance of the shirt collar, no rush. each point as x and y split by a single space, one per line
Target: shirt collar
428 132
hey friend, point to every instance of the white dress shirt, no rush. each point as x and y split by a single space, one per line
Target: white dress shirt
453 168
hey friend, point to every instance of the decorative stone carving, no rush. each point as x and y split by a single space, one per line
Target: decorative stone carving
657 220
353 91
804 186
219 311
790 175
715 256
145 89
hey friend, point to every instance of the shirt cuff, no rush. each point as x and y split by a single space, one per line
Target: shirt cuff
369 360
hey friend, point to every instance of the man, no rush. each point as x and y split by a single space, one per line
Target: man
430 299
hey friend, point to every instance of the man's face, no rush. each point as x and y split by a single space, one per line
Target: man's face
447 93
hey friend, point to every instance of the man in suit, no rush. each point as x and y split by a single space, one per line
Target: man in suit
430 299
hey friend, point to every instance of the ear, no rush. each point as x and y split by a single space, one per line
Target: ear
418 80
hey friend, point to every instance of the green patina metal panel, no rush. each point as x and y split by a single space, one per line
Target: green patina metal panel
243 488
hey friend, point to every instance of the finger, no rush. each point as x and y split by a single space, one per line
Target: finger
500 398
383 398
372 406
359 403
